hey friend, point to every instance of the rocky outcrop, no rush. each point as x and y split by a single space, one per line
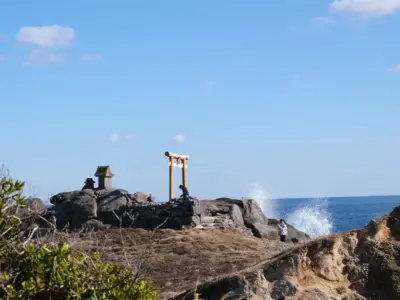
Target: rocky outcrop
360 264
118 208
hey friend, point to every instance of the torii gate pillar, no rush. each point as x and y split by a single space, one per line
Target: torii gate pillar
180 162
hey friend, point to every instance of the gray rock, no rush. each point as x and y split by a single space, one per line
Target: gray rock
61 197
265 231
111 205
84 207
93 225
280 289
394 222
63 214
115 200
218 206
37 206
252 213
140 197
236 215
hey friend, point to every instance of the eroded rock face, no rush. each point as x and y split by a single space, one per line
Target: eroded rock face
361 264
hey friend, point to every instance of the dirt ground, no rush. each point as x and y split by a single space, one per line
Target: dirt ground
178 260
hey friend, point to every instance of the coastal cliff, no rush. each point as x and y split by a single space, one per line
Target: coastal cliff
227 249
356 265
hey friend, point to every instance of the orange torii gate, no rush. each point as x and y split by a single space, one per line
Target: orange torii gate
176 160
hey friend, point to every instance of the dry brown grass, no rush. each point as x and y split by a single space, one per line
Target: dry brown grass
177 260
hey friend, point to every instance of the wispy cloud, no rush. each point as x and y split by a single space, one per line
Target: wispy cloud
47 36
322 20
179 138
366 7
38 57
396 69
91 57
116 138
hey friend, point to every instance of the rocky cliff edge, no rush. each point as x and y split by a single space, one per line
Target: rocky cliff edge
356 265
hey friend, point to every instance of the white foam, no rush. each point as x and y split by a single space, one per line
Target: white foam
312 218
259 193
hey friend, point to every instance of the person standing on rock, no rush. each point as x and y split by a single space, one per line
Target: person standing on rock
282 230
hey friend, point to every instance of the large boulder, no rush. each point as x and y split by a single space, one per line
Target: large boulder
83 208
245 215
264 231
140 197
62 197
236 215
62 213
111 205
37 206
252 213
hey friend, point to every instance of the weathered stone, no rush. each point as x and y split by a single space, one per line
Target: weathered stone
63 214
394 222
61 197
93 225
280 289
111 204
236 215
84 207
140 197
36 206
265 231
252 213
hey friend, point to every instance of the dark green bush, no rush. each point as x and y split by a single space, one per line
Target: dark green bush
56 272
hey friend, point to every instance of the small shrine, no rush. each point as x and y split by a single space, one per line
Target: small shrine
104 175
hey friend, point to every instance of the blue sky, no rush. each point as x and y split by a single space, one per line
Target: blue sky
300 96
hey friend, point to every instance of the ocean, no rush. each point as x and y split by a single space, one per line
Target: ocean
324 216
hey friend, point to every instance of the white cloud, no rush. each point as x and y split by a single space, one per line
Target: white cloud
179 138
395 69
91 57
47 36
116 138
42 57
367 7
322 20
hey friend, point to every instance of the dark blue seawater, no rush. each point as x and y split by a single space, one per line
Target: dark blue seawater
339 214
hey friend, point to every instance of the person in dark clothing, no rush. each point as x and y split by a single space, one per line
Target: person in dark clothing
89 184
185 192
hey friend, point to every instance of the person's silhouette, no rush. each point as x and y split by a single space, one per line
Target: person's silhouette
185 192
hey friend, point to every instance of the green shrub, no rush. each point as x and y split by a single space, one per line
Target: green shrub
56 272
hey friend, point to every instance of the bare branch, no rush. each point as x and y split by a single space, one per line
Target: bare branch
31 235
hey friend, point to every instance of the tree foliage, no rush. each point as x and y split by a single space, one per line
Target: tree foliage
29 271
